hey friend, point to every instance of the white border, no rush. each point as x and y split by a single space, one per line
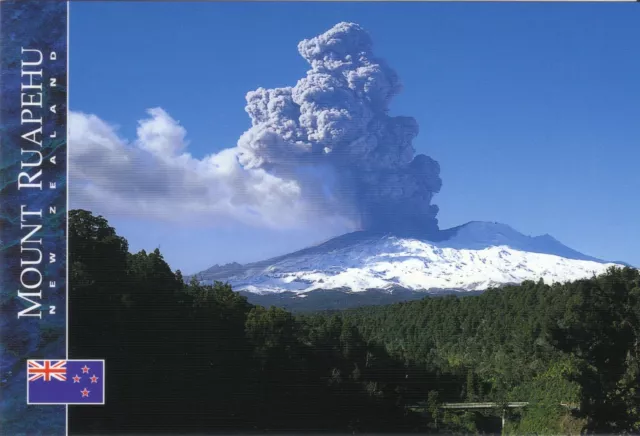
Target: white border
66 344
66 322
104 392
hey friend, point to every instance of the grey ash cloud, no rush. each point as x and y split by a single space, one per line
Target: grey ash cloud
336 118
324 150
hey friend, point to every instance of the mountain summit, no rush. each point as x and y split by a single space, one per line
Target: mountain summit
470 257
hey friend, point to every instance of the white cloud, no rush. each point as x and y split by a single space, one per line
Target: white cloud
155 177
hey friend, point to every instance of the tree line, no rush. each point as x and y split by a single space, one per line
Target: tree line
185 357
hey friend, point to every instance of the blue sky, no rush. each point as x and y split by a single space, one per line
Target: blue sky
531 109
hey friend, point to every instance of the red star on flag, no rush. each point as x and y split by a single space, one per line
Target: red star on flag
85 392
94 379
76 379
85 370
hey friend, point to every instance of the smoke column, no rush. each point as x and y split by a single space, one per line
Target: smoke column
332 133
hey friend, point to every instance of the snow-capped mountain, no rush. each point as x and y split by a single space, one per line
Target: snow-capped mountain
471 257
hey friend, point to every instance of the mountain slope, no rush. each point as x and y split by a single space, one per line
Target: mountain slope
471 257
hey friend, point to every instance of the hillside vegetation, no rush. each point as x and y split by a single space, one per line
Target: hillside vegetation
182 357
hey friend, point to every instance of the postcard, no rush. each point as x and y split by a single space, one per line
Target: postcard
319 217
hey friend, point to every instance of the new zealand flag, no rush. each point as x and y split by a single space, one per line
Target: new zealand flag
65 382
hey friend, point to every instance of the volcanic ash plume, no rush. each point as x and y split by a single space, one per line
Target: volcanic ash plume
332 134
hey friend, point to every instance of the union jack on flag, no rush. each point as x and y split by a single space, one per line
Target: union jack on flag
47 369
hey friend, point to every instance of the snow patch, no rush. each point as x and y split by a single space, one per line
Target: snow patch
465 261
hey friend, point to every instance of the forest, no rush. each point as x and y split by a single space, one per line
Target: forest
188 358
